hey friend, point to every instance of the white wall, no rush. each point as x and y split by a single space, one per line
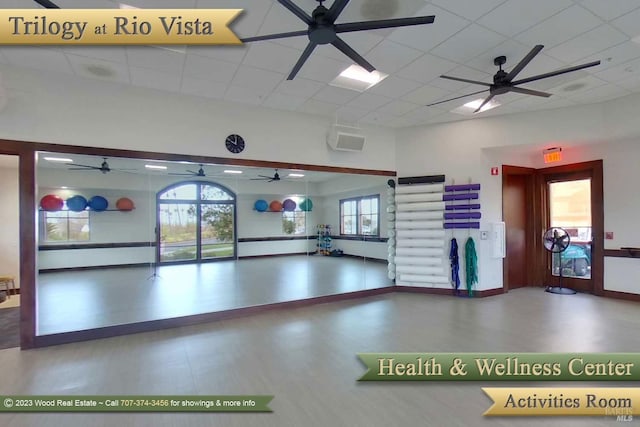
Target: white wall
9 218
466 151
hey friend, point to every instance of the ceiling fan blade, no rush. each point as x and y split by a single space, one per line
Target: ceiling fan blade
180 174
336 9
86 168
556 73
275 36
526 91
47 4
523 63
76 166
303 58
296 10
487 99
383 23
457 97
458 79
343 47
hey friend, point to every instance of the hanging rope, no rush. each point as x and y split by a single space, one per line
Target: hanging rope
455 265
471 265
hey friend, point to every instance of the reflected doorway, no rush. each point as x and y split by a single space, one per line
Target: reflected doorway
196 223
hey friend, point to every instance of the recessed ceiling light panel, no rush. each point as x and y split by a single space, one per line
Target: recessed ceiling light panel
357 78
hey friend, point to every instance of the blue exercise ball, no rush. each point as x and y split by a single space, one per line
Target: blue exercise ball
98 203
306 205
76 203
261 205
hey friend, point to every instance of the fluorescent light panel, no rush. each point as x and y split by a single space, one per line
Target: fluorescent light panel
357 78
58 159
232 171
469 108
296 175
158 167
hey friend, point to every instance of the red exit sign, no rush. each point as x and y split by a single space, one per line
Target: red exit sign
552 155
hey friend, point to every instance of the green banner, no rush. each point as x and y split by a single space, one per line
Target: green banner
501 366
117 403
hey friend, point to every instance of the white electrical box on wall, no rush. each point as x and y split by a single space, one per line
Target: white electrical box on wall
498 240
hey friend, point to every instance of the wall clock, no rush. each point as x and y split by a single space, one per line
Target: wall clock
234 143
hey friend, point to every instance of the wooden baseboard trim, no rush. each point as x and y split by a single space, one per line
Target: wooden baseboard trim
449 292
621 295
276 255
94 267
177 322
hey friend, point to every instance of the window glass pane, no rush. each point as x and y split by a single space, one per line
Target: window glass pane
177 232
56 227
365 206
183 192
216 231
210 192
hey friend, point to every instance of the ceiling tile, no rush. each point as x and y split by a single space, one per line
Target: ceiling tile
48 59
541 64
468 44
244 95
280 20
629 23
203 87
425 37
249 21
158 59
398 108
284 102
271 56
361 41
209 68
427 68
425 95
389 57
233 54
154 79
369 101
299 87
608 10
160 4
469 9
314 106
620 72
394 87
367 10
103 70
594 41
255 78
513 50
335 95
422 113
615 56
322 69
106 53
632 83
561 27
379 118
515 16
349 114
599 94
465 73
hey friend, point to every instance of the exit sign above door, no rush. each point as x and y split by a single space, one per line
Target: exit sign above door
552 155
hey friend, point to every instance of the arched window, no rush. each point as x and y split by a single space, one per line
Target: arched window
196 222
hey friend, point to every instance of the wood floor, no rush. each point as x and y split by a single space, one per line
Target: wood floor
72 301
307 359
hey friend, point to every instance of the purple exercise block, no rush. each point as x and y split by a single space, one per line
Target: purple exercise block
450 225
466 196
462 187
462 207
463 215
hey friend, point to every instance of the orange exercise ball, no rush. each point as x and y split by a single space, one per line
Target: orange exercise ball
275 206
125 204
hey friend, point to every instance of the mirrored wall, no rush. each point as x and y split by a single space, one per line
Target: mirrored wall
123 240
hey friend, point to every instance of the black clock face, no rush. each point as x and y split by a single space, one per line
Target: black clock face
234 143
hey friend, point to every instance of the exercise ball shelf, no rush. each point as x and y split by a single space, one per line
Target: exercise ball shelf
556 240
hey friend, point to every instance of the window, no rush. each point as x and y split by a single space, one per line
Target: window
294 222
360 216
66 226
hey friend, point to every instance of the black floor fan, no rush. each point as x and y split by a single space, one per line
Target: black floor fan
556 240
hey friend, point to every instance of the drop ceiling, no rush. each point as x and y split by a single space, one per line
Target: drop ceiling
466 36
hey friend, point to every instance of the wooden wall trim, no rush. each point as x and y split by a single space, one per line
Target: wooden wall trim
450 292
622 253
95 267
69 246
27 209
275 239
621 295
361 238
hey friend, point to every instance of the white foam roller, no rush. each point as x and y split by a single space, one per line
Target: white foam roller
420 243
422 197
391 250
417 260
422 188
391 217
431 270
419 252
391 208
422 206
391 241
391 266
419 225
391 258
391 191
417 234
391 275
391 233
391 200
423 278
417 215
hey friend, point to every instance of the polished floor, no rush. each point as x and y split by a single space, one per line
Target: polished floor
78 300
306 358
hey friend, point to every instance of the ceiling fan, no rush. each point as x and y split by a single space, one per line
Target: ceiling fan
322 29
275 177
198 173
104 167
47 4
504 82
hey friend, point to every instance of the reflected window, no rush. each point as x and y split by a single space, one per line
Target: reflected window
65 226
360 216
196 222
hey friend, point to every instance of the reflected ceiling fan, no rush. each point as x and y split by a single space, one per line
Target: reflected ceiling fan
504 82
104 167
47 4
198 173
275 177
322 29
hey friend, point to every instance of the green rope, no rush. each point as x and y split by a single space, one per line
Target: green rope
471 265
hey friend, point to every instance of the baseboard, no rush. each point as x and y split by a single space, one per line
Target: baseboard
449 292
93 267
275 255
621 295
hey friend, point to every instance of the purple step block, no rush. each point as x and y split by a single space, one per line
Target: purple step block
463 215
462 207
451 225
462 187
465 196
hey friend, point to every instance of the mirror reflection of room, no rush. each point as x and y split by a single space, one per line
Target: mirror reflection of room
129 240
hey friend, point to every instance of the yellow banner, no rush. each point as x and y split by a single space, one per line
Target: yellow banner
616 402
117 26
